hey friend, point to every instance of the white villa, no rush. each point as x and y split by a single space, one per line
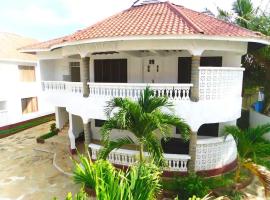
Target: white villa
193 58
21 98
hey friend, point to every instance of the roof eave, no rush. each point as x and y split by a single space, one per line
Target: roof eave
259 40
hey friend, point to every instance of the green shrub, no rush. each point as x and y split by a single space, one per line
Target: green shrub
140 182
47 135
188 186
53 129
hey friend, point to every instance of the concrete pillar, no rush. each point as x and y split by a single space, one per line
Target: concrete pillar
71 134
61 117
195 64
192 152
85 75
87 134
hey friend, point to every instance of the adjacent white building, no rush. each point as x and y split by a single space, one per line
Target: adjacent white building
193 58
20 93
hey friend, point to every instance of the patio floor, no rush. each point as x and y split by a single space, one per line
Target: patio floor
27 173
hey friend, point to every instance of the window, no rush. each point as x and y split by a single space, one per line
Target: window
184 66
29 105
75 71
27 73
74 64
99 123
110 70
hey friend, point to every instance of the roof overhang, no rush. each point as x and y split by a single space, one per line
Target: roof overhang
250 40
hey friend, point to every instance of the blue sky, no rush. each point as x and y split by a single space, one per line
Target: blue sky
47 19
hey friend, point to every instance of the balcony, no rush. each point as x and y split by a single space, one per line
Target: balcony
212 153
217 86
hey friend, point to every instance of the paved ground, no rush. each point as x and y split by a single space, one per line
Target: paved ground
27 174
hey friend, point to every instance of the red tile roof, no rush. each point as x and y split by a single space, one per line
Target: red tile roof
153 19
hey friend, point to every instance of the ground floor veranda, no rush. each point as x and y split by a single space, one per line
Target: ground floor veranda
215 154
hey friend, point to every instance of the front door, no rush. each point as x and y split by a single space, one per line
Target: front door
152 67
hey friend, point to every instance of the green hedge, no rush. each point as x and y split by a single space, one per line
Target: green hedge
26 125
47 135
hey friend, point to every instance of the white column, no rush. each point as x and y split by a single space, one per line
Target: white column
195 78
71 133
85 76
192 152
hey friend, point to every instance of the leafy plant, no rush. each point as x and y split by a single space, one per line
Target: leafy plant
79 196
145 119
53 129
253 151
191 185
140 182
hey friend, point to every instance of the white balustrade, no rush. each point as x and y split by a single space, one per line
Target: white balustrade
175 162
133 90
220 82
214 153
62 86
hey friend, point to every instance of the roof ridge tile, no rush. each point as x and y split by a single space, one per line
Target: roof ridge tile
178 12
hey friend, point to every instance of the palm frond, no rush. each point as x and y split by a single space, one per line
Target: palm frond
115 144
179 123
262 173
155 150
149 102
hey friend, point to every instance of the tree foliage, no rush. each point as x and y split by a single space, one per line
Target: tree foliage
253 151
257 61
148 119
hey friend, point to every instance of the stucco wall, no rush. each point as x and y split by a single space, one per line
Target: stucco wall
59 70
256 119
13 90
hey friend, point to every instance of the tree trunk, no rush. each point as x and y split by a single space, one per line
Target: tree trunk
192 152
141 152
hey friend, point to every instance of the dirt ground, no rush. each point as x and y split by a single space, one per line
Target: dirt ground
27 173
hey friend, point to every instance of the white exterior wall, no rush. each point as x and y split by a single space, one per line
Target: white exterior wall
257 119
61 117
59 70
12 91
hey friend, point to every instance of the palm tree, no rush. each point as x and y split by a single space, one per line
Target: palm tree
145 119
246 15
253 151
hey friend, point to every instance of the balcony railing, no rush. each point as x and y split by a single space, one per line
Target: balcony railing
175 162
220 82
133 90
215 83
62 86
212 153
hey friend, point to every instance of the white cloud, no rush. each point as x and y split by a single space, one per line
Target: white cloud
72 14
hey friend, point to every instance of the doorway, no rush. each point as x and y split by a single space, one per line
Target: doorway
152 69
